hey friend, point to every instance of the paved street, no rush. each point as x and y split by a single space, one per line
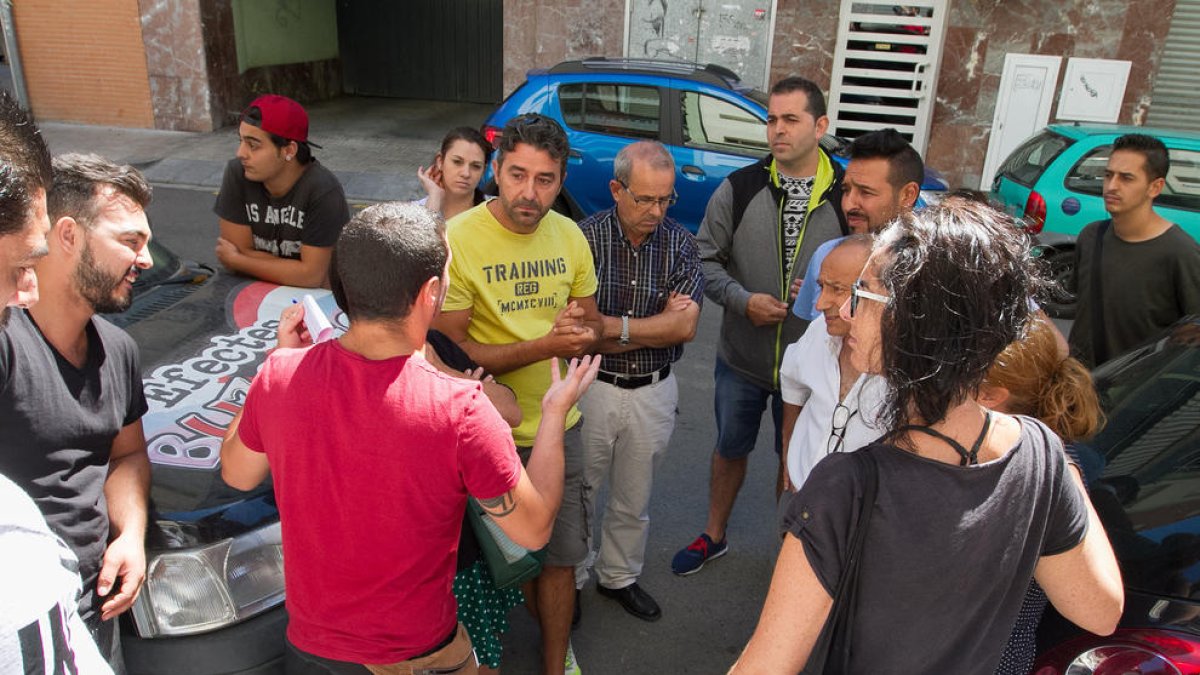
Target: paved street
708 617
373 145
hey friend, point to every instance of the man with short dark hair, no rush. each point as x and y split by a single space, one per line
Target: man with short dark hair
781 209
883 179
1135 273
373 452
280 210
650 289
71 401
40 627
24 177
523 291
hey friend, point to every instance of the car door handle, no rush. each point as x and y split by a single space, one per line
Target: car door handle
692 172
574 156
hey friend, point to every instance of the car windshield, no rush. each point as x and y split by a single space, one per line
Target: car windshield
1144 466
1026 164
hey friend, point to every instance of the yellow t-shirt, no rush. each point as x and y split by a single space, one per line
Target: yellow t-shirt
516 284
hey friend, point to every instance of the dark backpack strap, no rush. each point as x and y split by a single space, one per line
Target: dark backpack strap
1099 342
831 652
746 185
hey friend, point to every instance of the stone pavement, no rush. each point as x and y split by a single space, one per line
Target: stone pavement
374 145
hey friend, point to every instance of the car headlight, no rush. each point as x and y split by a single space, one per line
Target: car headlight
202 589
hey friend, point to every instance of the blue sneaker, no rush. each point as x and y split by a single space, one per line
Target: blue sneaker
691 559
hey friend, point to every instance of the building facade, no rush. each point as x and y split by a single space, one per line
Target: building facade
192 64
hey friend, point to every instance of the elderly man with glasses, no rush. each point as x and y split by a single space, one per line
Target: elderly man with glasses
651 285
828 405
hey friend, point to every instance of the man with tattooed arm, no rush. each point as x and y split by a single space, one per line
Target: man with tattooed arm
373 452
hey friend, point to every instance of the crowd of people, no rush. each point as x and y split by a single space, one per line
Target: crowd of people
506 363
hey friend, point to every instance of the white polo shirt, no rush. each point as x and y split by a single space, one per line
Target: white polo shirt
810 377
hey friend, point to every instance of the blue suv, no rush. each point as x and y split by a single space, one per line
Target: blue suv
711 122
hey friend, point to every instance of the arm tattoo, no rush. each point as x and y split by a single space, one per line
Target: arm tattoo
498 507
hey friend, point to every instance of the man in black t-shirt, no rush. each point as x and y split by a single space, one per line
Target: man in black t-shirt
1149 268
280 211
71 397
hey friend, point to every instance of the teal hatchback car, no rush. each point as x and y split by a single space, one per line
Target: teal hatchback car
1054 182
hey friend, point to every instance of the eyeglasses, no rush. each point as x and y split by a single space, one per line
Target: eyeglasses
856 292
647 202
841 418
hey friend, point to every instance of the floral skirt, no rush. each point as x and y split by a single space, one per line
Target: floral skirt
483 609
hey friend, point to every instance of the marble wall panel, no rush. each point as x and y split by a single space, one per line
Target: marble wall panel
174 44
979 34
1131 30
230 90
805 37
520 40
1145 32
955 144
963 68
541 33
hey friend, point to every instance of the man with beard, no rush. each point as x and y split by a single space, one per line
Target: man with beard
883 179
760 229
71 401
522 291
40 629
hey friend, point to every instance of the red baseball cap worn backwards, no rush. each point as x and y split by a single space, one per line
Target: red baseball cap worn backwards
283 117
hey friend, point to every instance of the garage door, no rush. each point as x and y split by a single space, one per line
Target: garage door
441 50
1174 100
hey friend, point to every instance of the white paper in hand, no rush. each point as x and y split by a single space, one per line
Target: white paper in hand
318 325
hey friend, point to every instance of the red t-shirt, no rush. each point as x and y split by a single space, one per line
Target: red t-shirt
372 463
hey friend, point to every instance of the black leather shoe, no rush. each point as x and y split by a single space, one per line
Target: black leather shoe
635 601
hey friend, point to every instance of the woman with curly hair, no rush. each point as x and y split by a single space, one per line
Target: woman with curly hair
969 504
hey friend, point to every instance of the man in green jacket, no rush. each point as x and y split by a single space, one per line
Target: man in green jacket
759 231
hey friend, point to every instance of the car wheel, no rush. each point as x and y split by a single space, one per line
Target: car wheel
1060 266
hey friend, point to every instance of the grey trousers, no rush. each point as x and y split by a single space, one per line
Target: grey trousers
625 436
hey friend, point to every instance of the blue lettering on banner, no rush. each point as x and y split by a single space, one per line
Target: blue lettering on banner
192 403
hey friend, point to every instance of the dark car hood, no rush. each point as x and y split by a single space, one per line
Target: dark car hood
199 355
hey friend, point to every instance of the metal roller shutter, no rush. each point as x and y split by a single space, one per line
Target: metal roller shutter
1175 101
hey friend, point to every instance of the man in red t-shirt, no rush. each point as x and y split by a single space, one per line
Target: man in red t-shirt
373 452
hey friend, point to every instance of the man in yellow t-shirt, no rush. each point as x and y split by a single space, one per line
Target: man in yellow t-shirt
522 290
